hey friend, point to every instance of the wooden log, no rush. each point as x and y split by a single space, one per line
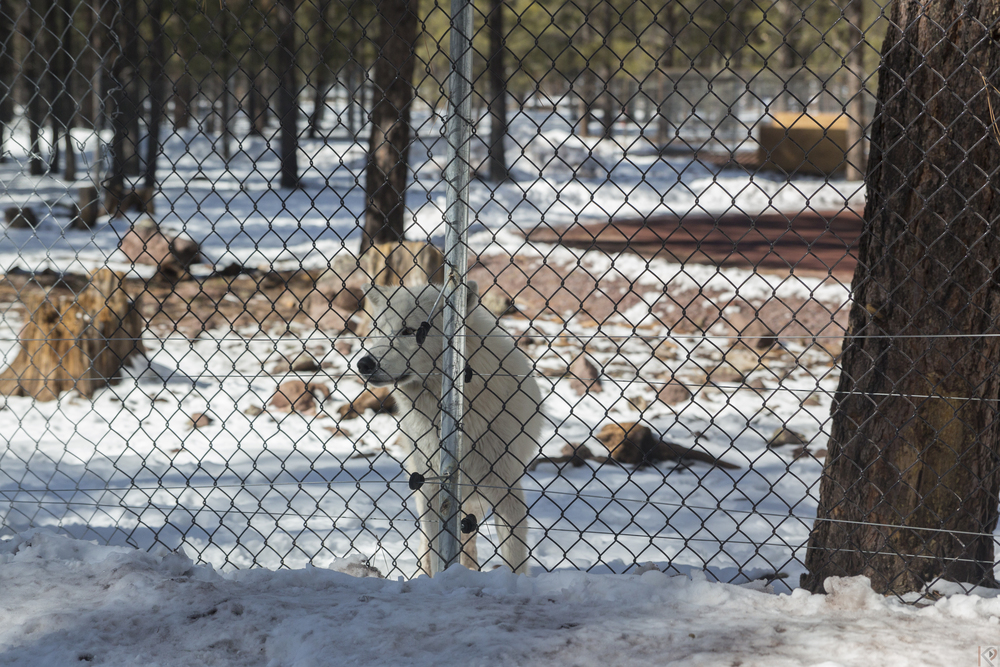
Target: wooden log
74 341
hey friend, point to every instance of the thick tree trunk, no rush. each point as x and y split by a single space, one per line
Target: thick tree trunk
910 489
385 176
125 107
157 96
855 107
498 90
288 108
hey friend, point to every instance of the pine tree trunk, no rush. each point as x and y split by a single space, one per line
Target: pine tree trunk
258 106
288 109
385 176
498 90
101 17
227 66
352 103
157 96
322 71
855 108
130 78
125 107
7 26
182 102
609 105
319 103
33 69
665 89
227 117
588 95
910 488
789 59
66 102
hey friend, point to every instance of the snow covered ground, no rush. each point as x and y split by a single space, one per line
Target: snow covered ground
255 488
68 602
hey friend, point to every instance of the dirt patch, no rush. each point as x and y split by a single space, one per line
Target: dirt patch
810 242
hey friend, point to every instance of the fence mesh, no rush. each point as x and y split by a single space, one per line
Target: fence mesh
664 221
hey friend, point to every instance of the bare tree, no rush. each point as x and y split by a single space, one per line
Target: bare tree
909 493
385 176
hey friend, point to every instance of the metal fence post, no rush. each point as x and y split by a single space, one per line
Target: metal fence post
459 130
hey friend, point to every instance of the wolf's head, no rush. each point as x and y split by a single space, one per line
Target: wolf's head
393 355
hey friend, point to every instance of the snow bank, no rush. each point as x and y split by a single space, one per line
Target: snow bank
68 602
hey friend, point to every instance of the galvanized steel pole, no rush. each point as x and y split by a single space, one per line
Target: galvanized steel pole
459 130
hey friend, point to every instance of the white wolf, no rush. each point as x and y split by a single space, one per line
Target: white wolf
501 423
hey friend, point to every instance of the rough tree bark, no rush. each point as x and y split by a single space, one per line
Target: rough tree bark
496 66
910 488
385 176
288 108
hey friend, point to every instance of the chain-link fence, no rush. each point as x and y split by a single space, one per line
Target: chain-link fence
665 210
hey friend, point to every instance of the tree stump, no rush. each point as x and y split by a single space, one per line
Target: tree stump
409 263
74 341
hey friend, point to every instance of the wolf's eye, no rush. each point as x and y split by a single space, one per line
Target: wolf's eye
407 331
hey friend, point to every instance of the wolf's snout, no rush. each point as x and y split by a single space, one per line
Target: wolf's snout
367 365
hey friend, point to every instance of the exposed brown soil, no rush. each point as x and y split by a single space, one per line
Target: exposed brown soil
811 242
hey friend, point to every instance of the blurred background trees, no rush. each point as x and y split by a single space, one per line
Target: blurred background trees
142 71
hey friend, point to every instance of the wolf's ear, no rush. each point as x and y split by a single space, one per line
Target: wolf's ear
375 297
472 295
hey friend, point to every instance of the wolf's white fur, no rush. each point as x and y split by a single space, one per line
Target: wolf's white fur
502 419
